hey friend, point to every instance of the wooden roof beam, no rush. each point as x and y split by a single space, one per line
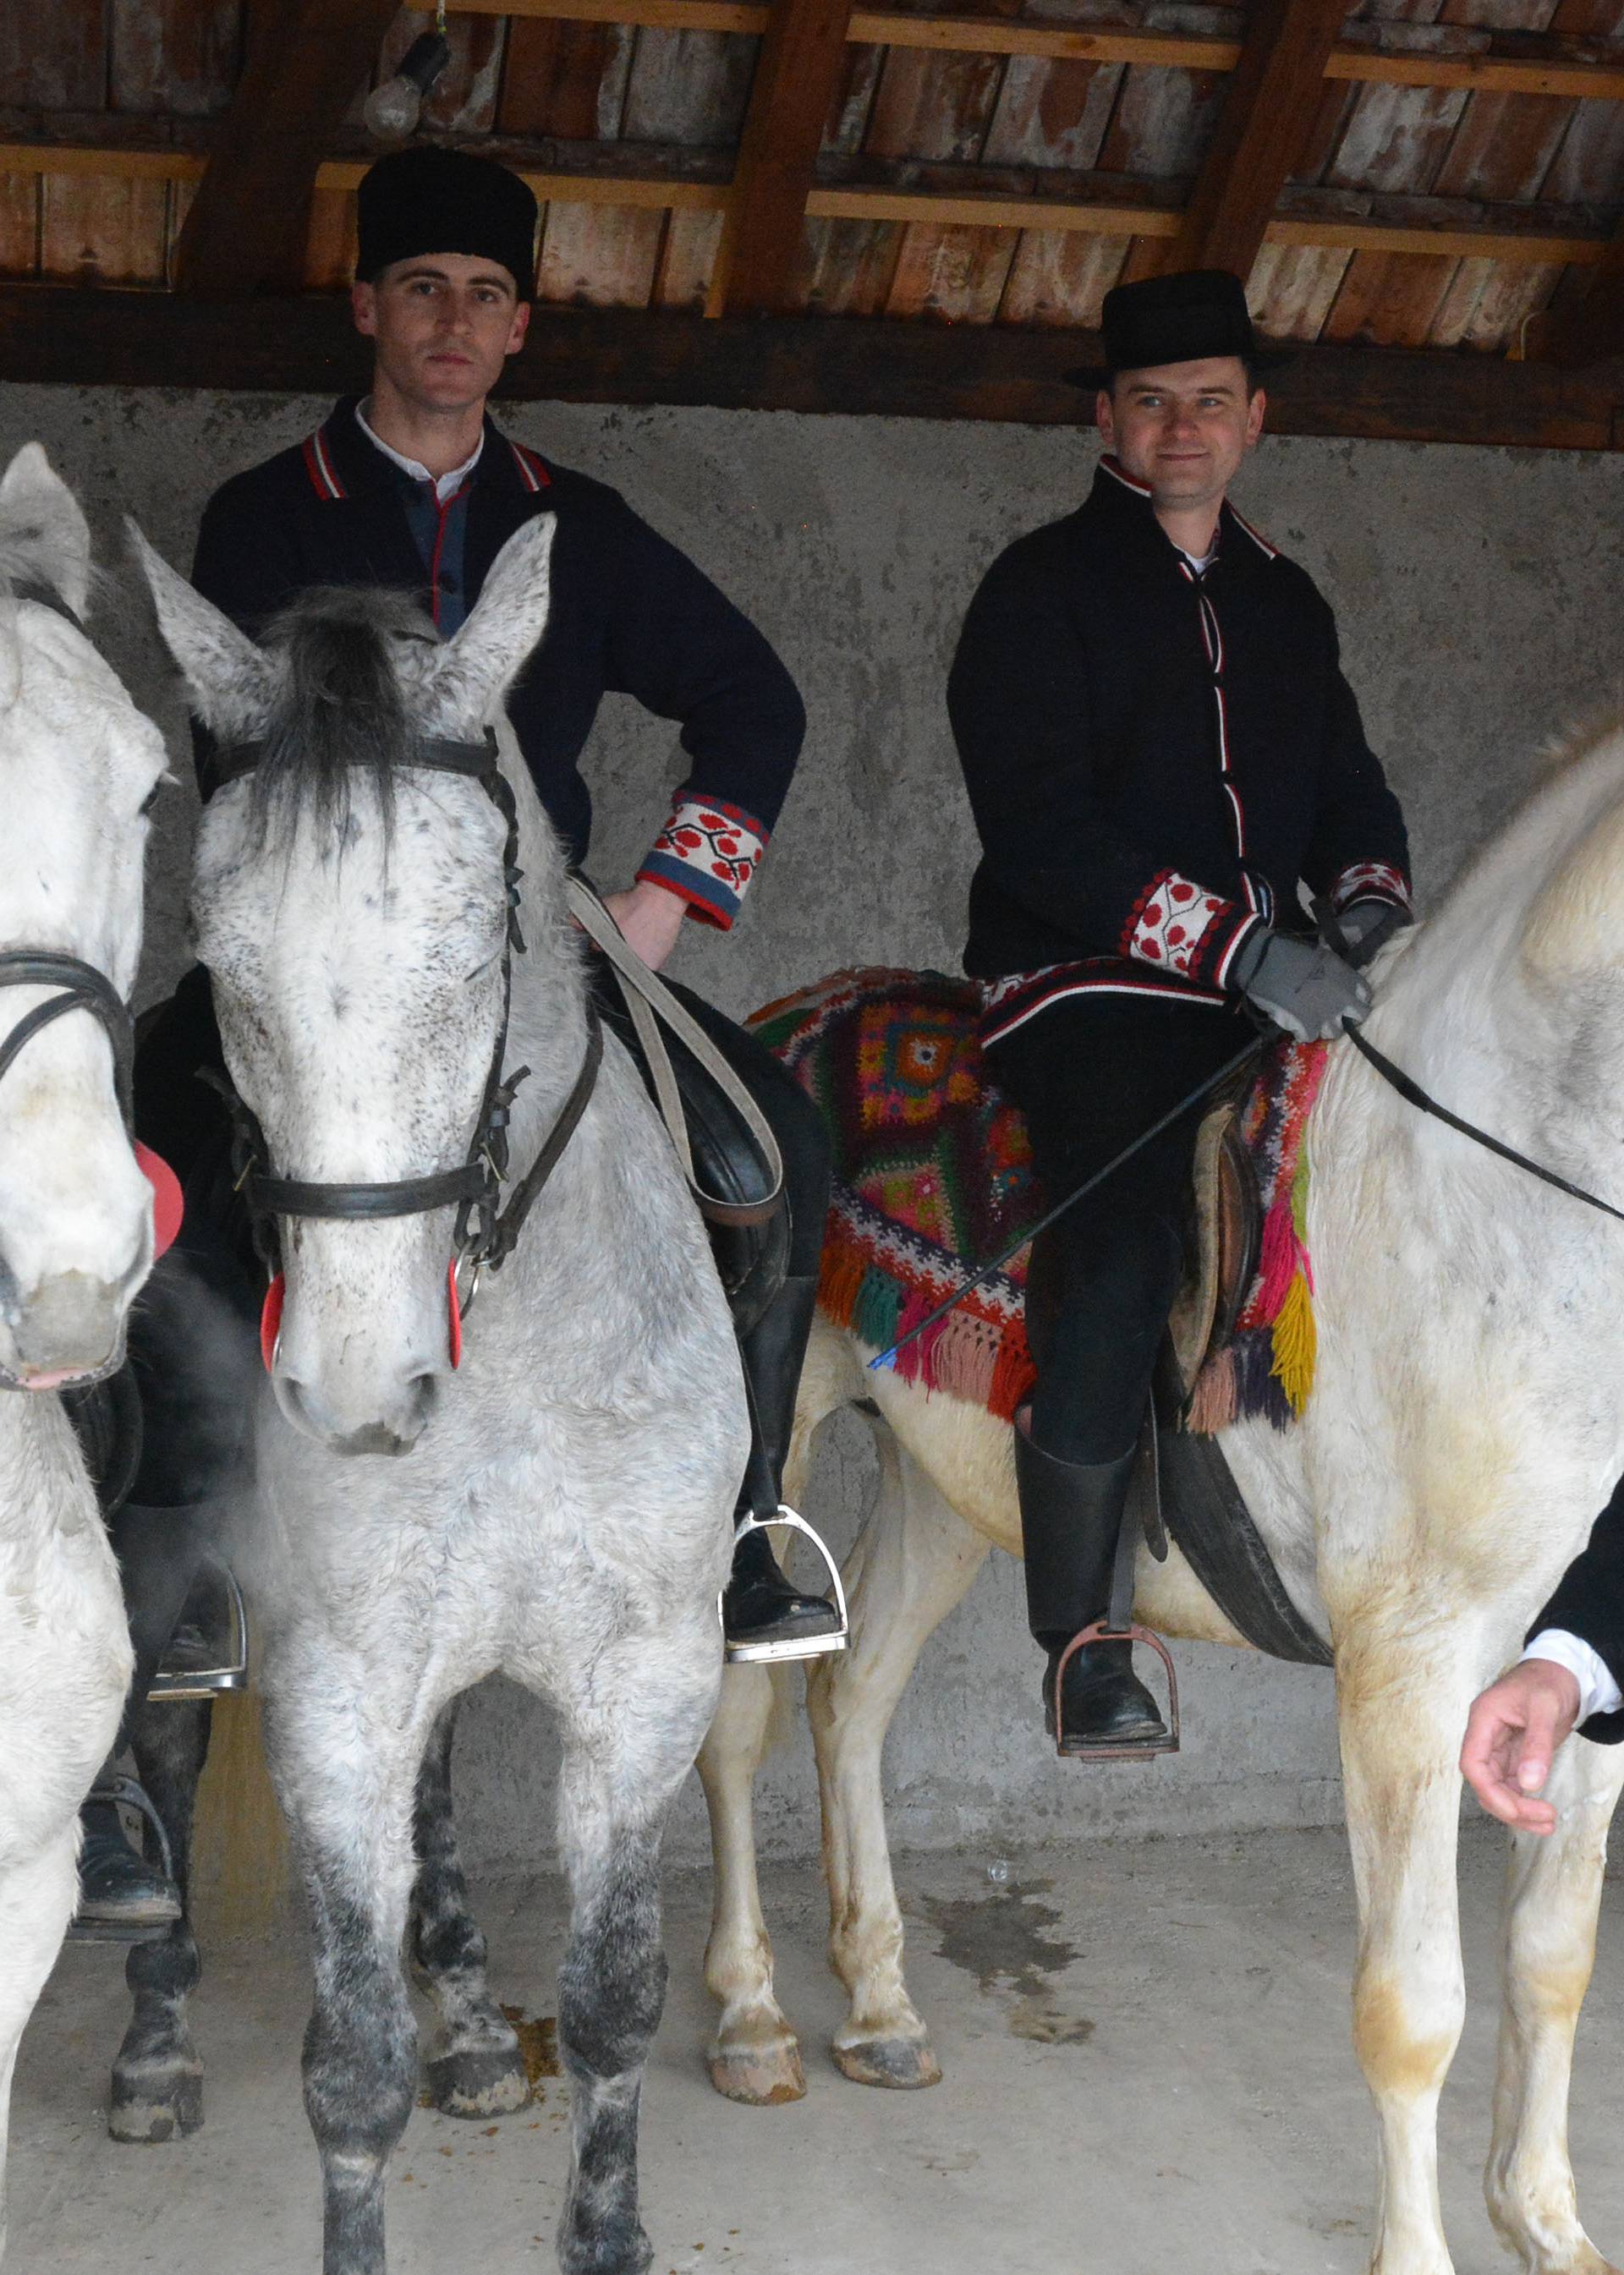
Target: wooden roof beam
1591 330
797 75
306 345
248 225
1267 114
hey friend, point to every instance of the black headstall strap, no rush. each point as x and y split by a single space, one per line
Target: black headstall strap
80 986
83 989
486 1233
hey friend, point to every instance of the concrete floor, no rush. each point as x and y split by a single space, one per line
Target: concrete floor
1150 2037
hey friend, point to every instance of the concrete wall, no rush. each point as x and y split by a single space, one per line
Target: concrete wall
1478 597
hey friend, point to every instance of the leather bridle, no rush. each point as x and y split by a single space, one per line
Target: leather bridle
83 987
485 1232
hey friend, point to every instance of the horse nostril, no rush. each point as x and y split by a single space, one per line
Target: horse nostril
423 1391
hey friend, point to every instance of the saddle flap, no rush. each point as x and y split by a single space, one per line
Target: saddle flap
1226 1239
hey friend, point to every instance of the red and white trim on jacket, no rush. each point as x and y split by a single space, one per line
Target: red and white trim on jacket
1370 881
319 465
531 470
1009 1003
707 853
1119 473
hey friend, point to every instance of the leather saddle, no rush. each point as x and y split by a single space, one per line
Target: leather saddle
1223 1245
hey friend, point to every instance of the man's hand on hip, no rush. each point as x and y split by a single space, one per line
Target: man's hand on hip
650 919
1511 1736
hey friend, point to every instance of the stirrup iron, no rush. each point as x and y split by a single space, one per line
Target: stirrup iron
178 1685
789 1647
1141 1519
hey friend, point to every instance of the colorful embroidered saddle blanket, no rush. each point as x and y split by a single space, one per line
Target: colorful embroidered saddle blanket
933 1174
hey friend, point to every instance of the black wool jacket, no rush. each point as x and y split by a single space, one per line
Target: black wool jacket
630 615
1588 1603
1155 757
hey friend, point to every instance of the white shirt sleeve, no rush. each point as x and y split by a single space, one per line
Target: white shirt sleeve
1599 1693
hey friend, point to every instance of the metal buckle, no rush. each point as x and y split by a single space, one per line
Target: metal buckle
789 1647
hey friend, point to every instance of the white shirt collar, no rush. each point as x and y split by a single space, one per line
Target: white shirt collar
446 486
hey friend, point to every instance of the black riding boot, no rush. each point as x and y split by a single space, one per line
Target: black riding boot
1071 1515
763 1615
159 1550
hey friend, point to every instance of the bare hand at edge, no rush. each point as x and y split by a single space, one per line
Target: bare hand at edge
650 919
1511 1736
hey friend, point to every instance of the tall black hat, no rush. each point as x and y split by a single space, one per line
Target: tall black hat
1183 318
428 199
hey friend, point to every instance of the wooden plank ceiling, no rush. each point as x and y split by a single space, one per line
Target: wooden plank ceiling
1426 194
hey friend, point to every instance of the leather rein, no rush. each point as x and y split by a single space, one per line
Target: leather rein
486 1231
83 987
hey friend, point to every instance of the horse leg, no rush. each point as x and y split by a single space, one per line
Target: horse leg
1403 1689
1553 1896
349 1809
157 2088
753 2056
36 1902
622 1767
914 1560
476 2068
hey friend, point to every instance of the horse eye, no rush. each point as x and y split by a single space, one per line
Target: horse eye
151 799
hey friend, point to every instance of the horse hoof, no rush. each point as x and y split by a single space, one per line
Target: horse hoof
764 2076
153 2105
904 2065
488 2083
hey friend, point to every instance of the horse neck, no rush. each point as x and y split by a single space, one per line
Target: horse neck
43 1488
1506 1004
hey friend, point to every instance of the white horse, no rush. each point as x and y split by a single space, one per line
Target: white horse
78 767
1465 1426
564 1512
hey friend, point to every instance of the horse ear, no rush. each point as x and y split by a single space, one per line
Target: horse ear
44 536
473 671
231 680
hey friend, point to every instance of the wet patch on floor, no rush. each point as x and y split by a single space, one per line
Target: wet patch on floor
1007 1942
1004 1940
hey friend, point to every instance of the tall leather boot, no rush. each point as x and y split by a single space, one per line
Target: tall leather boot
763 1615
1071 1515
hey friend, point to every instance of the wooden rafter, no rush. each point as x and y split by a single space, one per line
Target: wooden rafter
249 222
1262 128
847 364
1589 330
1569 69
797 72
1526 243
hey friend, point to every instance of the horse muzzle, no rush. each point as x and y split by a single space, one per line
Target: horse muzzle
69 1330
350 1420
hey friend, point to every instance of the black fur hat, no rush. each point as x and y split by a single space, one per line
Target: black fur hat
431 200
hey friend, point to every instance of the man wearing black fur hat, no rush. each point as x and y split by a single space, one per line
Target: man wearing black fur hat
414 487
1159 747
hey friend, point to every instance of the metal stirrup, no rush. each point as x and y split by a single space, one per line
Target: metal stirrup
789 1647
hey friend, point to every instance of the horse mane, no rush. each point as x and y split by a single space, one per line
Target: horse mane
340 708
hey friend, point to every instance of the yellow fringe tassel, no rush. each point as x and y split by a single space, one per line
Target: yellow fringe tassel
1296 1343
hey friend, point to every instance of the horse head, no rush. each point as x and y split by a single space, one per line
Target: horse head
80 766
352 910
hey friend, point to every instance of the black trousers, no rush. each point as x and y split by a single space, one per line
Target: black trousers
1091 1074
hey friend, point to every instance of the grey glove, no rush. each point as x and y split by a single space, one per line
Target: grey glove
1368 926
1302 987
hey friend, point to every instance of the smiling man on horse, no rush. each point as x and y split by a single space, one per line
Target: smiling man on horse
1160 746
414 488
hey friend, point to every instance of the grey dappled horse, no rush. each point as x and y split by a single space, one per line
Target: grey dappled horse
562 1513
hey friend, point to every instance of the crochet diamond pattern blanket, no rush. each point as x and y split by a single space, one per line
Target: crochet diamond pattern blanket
933 1172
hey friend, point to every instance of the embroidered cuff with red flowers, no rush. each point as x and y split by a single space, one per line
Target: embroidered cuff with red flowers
707 853
1372 881
1179 927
